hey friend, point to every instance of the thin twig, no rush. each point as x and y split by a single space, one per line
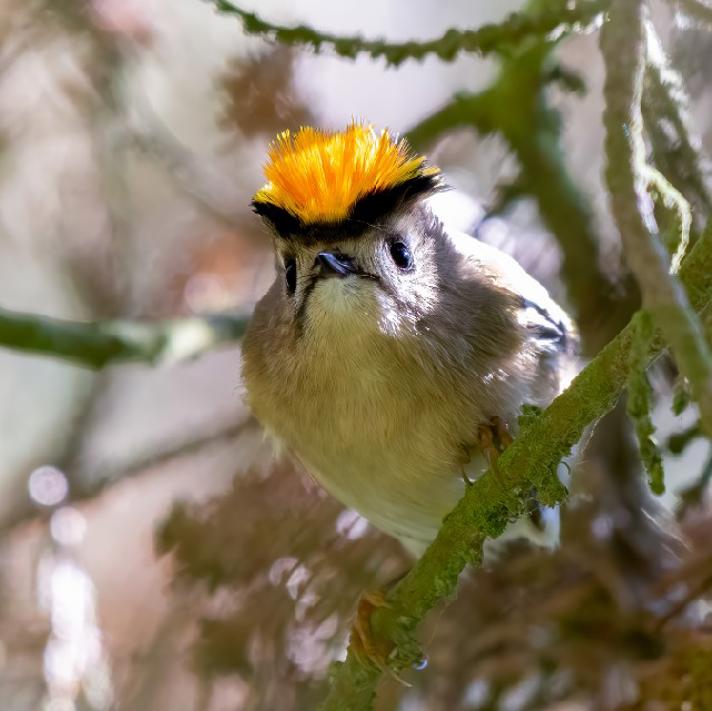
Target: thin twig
95 485
191 175
623 47
555 17
85 486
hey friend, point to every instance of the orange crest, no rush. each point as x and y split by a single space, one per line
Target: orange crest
317 176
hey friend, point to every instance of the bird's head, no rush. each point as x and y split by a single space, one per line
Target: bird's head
354 242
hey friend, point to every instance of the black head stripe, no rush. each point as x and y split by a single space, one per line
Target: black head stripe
283 221
378 203
367 210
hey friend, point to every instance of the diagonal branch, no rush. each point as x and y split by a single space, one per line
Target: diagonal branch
555 16
623 48
96 344
496 498
666 104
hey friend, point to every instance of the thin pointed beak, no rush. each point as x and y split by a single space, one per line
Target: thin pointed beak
334 264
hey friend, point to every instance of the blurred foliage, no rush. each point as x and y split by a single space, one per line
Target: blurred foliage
595 619
259 95
285 565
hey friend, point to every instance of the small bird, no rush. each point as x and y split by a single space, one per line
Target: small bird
390 356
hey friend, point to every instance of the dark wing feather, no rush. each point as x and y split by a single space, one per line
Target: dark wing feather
549 330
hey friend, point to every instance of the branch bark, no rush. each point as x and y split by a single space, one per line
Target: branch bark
498 497
623 48
96 344
554 16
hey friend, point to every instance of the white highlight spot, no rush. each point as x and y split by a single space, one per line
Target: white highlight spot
48 486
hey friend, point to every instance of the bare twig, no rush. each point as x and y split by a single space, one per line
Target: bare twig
96 344
85 485
91 486
623 47
555 16
193 177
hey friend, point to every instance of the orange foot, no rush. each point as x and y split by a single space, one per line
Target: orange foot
365 644
368 647
493 438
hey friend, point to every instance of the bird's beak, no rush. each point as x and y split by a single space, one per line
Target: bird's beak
335 264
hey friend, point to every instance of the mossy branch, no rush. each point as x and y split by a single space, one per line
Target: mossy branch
554 16
96 344
515 107
623 47
640 395
498 497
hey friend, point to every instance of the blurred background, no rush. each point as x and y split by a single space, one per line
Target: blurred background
153 553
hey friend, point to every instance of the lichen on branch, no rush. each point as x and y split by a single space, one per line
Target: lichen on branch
639 403
623 48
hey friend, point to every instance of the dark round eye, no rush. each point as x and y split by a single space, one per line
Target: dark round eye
401 255
290 274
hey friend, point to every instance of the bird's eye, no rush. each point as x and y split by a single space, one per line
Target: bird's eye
401 255
290 274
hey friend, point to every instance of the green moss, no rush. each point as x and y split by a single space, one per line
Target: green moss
640 402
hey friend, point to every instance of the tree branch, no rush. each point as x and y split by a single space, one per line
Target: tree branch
665 103
623 48
96 344
556 16
498 497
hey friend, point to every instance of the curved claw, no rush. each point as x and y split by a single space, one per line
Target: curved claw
493 438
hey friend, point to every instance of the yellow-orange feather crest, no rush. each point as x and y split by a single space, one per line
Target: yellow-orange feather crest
318 175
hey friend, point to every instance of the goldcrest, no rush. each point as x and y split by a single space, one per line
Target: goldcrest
386 342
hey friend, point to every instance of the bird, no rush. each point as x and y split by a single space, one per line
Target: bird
391 356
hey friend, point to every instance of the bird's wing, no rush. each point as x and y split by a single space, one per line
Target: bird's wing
539 314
